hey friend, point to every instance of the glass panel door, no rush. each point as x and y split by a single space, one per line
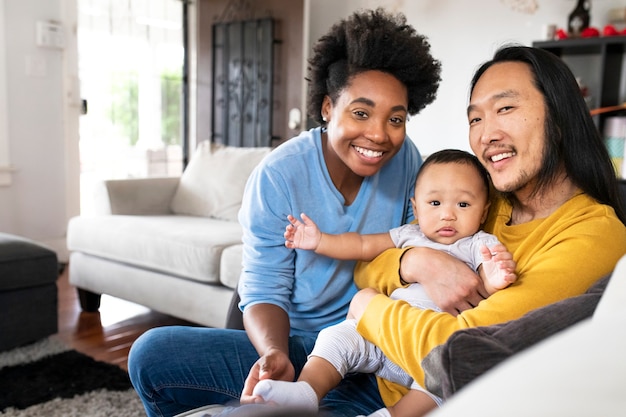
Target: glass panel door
130 58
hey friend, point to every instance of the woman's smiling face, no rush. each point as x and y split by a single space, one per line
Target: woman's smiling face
366 126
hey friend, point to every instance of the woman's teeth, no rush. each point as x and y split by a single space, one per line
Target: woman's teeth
368 152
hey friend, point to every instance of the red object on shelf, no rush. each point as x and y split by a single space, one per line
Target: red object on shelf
590 32
561 34
609 30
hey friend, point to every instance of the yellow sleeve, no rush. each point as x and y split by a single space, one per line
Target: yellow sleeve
382 273
557 257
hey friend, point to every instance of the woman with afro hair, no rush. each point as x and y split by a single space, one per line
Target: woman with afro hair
355 172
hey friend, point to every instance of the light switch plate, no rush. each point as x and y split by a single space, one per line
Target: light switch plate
50 35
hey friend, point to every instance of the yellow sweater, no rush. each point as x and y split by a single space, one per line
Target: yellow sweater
557 257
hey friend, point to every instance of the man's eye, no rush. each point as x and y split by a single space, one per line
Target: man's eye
474 120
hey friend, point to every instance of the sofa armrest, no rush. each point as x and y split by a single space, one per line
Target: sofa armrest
137 196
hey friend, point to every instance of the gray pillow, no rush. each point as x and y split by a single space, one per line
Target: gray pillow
469 353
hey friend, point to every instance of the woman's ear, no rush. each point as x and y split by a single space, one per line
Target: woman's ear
327 108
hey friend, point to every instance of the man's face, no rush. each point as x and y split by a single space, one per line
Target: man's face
507 116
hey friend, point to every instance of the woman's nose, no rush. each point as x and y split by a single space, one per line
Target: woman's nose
376 132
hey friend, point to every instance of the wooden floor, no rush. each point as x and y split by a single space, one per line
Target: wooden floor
108 334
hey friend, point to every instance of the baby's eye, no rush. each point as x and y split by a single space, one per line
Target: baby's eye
463 204
435 203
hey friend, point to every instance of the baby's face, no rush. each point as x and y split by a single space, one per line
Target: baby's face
450 201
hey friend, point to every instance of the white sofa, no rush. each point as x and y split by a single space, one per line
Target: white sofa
171 244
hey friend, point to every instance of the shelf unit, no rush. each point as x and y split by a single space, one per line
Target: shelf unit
600 64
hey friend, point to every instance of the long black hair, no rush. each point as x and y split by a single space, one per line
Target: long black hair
572 139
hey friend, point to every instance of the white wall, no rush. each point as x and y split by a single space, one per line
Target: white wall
37 200
462 34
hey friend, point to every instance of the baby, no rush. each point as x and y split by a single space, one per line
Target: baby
451 202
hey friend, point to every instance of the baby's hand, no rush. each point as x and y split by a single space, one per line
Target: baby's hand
302 234
498 266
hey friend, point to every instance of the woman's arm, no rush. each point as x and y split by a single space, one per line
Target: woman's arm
267 327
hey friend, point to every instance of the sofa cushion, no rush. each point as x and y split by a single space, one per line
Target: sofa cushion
212 185
230 266
185 246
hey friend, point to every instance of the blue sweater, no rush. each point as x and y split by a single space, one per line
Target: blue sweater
314 290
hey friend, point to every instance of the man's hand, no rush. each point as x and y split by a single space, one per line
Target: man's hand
275 364
449 282
302 234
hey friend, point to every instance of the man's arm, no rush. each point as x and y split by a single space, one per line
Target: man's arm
450 283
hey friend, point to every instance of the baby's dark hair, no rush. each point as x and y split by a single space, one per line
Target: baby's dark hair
372 40
459 157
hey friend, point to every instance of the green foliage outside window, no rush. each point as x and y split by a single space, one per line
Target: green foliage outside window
124 110
171 83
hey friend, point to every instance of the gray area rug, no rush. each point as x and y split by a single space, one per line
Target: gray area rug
49 379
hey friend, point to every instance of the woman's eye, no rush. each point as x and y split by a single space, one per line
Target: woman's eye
397 120
360 114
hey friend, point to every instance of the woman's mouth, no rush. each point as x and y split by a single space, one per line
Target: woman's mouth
368 152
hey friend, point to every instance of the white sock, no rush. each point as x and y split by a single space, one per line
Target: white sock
298 394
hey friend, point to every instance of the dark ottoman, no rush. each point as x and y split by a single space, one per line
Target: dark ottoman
28 291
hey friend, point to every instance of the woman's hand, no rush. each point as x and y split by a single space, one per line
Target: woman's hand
267 327
275 364
449 282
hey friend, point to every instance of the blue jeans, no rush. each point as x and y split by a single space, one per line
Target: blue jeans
176 369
